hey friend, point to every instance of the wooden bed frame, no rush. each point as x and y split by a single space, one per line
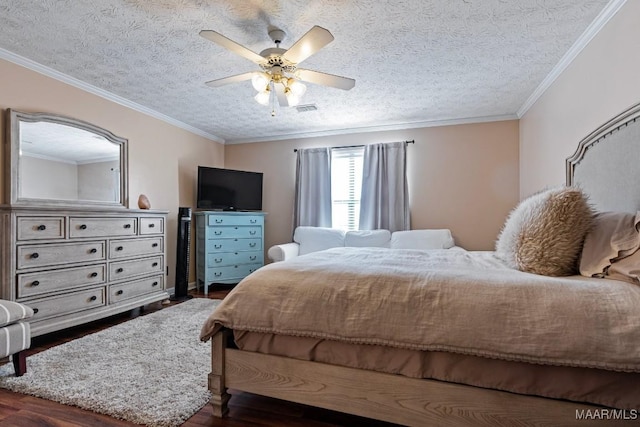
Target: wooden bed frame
423 402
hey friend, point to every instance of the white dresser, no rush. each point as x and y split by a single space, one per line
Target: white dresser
76 265
229 246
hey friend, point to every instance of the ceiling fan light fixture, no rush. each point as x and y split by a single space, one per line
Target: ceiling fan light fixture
292 98
296 87
263 97
260 81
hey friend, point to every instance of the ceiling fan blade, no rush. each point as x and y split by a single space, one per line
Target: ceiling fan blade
231 79
314 40
221 40
325 79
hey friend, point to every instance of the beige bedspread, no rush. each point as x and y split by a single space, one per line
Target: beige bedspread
455 301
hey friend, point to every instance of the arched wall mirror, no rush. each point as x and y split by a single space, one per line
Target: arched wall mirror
57 160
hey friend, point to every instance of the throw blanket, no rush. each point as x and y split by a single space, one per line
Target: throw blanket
446 300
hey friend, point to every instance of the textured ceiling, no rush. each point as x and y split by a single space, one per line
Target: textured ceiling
413 61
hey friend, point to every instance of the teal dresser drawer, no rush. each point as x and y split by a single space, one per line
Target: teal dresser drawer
232 245
235 220
236 231
232 272
232 258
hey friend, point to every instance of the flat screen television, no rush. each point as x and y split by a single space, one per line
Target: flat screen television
229 189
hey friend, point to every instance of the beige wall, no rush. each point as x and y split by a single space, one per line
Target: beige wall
462 177
163 159
599 84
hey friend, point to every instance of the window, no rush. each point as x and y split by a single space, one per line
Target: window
346 184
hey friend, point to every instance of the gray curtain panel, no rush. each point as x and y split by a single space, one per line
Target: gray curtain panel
313 188
384 202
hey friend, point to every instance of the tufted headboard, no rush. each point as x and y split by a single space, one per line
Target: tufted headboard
606 164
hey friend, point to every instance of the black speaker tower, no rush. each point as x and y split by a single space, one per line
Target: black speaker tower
182 255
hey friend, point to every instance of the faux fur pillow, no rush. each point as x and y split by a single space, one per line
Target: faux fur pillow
544 233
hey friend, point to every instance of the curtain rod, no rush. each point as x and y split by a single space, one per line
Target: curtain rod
295 150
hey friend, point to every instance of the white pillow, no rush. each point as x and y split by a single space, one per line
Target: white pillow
422 239
545 232
313 239
368 238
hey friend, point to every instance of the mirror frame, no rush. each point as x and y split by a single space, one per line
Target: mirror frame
12 159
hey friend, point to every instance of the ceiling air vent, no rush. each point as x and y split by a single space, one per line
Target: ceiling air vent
305 108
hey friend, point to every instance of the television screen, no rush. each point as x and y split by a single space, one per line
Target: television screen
229 189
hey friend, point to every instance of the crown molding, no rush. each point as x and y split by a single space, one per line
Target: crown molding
50 72
592 30
381 128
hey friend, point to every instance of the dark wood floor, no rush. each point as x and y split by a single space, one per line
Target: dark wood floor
245 409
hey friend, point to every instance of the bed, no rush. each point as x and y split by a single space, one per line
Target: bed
453 337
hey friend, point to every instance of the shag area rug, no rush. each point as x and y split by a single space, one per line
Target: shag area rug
150 370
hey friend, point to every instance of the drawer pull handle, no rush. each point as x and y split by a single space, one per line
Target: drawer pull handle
218 274
218 221
253 232
154 284
119 248
217 246
83 227
94 274
253 258
93 251
252 245
35 255
42 227
155 245
218 260
35 310
120 270
217 233
35 283
127 226
151 225
93 298
120 292
253 221
155 264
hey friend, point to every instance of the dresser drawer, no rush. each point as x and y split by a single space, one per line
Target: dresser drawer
233 245
232 258
135 247
63 253
101 227
136 288
235 220
66 304
231 272
31 284
120 270
38 228
151 225
241 231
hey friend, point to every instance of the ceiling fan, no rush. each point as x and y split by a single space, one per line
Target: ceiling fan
280 78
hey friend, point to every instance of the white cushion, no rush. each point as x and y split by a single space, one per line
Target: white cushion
422 239
283 252
11 312
313 239
368 238
545 232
